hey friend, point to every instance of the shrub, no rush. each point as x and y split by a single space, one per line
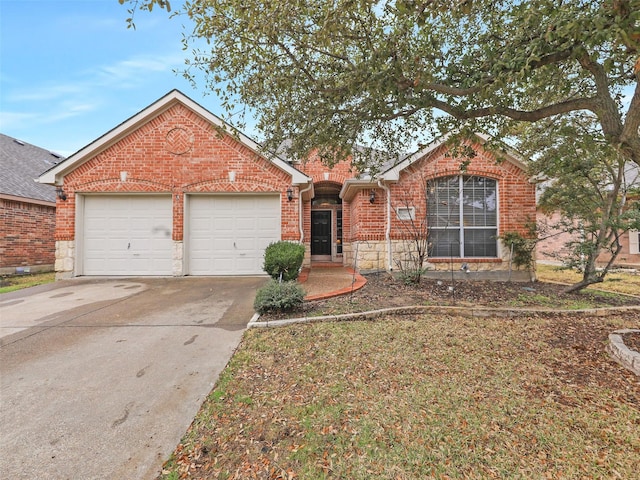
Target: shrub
522 248
283 259
279 297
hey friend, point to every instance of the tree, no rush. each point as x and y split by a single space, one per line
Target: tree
330 74
588 183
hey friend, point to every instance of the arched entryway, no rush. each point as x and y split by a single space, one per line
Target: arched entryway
326 223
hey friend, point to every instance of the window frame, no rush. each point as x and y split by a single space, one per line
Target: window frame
459 226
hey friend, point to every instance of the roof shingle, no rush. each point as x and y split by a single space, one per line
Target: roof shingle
20 164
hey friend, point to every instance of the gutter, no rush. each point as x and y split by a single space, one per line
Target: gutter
301 210
387 233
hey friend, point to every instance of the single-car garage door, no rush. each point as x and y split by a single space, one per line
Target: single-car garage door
229 233
127 235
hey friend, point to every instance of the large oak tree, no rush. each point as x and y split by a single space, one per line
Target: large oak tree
329 74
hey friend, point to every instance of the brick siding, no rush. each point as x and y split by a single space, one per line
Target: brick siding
177 152
27 234
516 195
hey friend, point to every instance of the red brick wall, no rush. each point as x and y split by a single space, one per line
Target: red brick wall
516 202
337 174
27 231
553 247
177 152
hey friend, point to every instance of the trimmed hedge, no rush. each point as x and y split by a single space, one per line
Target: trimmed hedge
283 259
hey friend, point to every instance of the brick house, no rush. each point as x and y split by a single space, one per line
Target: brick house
175 191
554 246
27 208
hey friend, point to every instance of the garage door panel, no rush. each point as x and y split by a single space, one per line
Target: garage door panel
127 235
228 233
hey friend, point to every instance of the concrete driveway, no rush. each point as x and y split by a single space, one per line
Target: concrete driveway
100 378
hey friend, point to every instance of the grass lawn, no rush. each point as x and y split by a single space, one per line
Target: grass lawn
420 397
613 282
18 282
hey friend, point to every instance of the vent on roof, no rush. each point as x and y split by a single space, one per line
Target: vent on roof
55 155
19 142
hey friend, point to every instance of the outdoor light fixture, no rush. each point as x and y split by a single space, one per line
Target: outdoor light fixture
372 196
60 192
289 194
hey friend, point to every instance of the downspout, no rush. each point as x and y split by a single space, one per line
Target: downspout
301 210
387 233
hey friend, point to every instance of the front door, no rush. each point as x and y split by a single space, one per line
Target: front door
321 232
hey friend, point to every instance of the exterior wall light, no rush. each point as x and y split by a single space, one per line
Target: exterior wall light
289 193
60 193
372 196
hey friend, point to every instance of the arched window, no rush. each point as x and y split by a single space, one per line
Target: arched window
462 216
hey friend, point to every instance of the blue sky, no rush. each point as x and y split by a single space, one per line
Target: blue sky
70 70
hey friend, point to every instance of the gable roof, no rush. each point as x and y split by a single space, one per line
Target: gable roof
55 174
21 164
393 173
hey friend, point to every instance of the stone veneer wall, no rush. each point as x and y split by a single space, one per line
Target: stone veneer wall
65 259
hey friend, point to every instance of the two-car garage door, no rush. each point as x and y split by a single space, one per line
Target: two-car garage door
131 234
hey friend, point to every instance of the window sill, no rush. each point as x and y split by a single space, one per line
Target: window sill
466 260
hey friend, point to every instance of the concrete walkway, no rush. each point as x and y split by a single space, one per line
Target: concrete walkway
329 280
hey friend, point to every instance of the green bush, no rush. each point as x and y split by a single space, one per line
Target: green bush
283 258
522 247
279 297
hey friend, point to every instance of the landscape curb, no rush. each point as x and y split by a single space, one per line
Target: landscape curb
476 312
622 354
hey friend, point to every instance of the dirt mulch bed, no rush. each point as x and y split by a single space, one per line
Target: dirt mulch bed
632 340
384 291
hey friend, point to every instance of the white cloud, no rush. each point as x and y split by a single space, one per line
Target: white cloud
136 70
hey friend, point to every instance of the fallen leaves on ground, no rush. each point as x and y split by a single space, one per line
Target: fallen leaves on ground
427 396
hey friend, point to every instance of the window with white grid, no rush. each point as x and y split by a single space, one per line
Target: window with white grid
462 215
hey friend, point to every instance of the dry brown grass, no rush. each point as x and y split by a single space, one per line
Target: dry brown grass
614 282
424 397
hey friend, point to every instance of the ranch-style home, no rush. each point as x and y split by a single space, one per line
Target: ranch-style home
168 192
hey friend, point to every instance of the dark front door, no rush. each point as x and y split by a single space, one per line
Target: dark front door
321 232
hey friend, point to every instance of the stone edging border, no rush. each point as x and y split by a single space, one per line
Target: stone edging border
622 354
463 311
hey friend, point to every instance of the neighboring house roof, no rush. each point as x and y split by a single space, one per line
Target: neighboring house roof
55 175
21 164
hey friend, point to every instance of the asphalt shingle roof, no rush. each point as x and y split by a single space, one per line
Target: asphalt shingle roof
20 164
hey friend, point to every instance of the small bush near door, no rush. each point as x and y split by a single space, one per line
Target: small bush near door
282 260
279 297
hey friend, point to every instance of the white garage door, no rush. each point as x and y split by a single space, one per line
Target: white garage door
229 233
127 235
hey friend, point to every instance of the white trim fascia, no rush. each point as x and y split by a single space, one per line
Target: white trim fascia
353 185
393 174
55 175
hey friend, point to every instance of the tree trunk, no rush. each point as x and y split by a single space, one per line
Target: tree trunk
584 283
